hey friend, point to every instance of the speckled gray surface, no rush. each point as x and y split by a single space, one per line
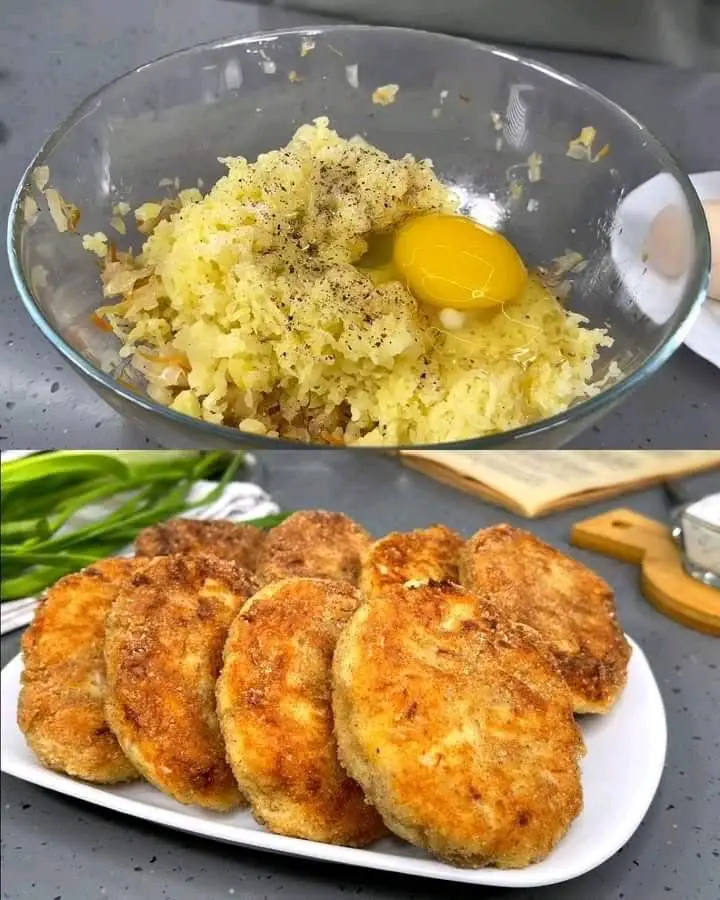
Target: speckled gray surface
53 54
53 847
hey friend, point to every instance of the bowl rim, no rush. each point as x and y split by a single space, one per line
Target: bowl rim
692 300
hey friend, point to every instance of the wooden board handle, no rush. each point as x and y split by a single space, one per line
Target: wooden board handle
621 533
624 534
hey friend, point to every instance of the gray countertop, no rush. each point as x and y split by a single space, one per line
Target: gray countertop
53 54
54 848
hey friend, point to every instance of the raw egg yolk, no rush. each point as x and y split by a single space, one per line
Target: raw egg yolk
453 262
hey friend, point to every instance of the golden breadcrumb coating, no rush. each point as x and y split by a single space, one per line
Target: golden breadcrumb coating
571 606
228 540
428 554
274 707
163 651
458 726
313 544
61 708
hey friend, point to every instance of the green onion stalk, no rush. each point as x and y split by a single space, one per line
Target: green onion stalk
41 494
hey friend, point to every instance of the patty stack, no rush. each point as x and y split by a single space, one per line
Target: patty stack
343 688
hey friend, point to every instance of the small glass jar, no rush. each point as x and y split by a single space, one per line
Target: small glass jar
697 531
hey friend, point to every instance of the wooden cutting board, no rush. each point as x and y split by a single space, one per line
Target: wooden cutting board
624 534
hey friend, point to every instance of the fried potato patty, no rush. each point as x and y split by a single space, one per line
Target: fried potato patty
428 554
274 707
571 607
314 544
61 708
219 537
163 652
457 725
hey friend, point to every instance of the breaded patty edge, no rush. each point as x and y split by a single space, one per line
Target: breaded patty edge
358 766
613 673
116 724
118 721
52 752
223 708
284 813
60 762
352 757
583 705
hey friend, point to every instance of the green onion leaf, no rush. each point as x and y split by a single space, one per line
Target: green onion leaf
43 493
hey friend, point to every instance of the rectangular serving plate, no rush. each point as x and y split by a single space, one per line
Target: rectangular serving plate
621 772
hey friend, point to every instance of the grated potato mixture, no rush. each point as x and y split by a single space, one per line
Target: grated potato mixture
245 308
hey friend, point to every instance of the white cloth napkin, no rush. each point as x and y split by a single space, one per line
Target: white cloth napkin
239 502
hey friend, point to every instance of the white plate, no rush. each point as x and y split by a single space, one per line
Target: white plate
621 772
632 222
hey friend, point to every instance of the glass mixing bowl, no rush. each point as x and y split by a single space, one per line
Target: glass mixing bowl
476 111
